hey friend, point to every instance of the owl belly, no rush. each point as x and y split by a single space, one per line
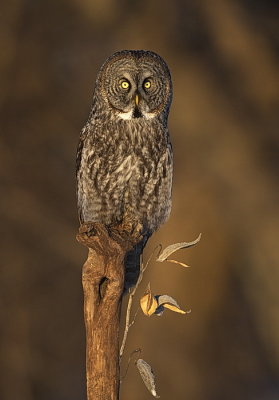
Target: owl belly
147 196
136 190
129 180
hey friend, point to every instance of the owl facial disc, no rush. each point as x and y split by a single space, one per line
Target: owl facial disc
136 84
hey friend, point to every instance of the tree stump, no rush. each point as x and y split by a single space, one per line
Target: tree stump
103 277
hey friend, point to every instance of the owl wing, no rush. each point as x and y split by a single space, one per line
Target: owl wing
80 147
79 178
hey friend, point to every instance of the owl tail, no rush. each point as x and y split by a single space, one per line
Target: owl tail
132 264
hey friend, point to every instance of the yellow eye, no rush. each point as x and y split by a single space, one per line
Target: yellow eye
147 84
124 85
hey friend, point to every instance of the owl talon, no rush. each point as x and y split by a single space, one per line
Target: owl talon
88 229
87 233
126 232
104 239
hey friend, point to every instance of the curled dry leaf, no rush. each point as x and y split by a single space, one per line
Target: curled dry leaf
147 376
178 262
174 247
156 304
148 302
166 301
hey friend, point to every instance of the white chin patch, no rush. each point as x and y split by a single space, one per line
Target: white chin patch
149 115
126 115
129 115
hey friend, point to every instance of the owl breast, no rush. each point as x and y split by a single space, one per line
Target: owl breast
125 173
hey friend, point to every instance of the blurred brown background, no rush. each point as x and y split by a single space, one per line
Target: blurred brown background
223 55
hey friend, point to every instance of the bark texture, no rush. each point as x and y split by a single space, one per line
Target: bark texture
103 282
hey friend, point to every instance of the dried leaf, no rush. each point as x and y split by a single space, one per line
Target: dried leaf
174 308
159 311
147 376
148 302
166 301
178 262
176 246
149 296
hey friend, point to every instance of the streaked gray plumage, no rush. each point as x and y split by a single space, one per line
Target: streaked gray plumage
124 159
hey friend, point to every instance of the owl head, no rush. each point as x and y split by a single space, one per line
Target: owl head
135 84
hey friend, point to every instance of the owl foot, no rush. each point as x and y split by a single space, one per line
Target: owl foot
94 235
87 229
129 232
104 239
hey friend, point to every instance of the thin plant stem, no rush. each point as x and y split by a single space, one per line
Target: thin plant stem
130 302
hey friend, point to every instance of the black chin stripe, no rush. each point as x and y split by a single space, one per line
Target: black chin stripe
137 113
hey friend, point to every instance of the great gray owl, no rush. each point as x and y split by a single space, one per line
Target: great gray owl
124 158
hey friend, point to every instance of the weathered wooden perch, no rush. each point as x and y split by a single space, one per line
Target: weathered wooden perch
103 282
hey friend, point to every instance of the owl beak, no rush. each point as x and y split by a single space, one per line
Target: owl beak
137 113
